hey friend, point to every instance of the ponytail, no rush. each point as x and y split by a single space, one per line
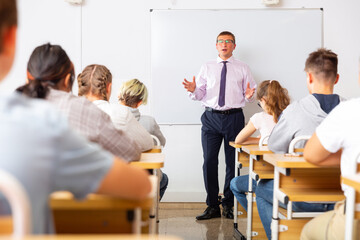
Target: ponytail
276 97
34 89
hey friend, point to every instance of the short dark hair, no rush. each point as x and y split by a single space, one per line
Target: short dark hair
322 63
226 33
8 17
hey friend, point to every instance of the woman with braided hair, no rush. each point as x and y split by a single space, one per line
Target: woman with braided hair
95 84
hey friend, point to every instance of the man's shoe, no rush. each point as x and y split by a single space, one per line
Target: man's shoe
210 212
228 212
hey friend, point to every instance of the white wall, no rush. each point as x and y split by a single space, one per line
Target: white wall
125 26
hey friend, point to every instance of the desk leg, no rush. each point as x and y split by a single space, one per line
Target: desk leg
137 221
249 200
154 217
237 234
275 218
350 209
237 151
157 196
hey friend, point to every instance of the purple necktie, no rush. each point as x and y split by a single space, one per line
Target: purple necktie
222 85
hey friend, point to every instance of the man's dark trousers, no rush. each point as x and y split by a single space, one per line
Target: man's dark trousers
217 127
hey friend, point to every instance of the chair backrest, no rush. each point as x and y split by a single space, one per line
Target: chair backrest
19 202
156 139
262 140
295 141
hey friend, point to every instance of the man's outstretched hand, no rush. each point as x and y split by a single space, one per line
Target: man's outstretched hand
249 91
190 86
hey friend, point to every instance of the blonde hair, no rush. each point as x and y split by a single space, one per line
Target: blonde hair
276 97
94 79
132 92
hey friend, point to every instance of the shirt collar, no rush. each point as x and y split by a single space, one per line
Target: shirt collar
230 59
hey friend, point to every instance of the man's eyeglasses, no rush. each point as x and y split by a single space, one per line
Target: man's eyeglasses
225 41
259 104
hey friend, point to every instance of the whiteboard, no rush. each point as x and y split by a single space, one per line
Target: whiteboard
273 42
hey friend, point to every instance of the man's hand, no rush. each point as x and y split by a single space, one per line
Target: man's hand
190 86
249 91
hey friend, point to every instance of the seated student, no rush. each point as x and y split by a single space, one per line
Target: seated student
132 94
39 148
301 118
50 68
95 84
273 100
335 142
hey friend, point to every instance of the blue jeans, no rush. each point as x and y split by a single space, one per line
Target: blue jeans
264 200
164 181
239 186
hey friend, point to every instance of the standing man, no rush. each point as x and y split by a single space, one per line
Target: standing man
223 85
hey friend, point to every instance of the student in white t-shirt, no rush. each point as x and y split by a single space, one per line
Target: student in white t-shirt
273 99
335 142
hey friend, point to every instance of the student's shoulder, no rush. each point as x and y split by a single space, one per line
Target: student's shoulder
83 103
147 118
36 112
258 115
348 105
209 64
307 101
239 63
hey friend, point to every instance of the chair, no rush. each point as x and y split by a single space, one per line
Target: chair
262 140
14 192
156 139
293 142
157 148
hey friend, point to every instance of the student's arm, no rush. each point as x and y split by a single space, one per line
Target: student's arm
125 181
315 153
244 135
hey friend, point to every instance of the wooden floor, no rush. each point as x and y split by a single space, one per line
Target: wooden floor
178 219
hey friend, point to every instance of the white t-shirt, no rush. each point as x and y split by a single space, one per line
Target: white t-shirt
341 130
124 120
263 122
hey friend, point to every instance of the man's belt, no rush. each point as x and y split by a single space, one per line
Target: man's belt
229 111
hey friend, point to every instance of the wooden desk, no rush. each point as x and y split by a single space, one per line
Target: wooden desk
93 237
150 161
155 149
258 169
98 214
297 180
352 203
153 161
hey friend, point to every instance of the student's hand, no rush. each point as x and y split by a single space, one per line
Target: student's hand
190 86
249 91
